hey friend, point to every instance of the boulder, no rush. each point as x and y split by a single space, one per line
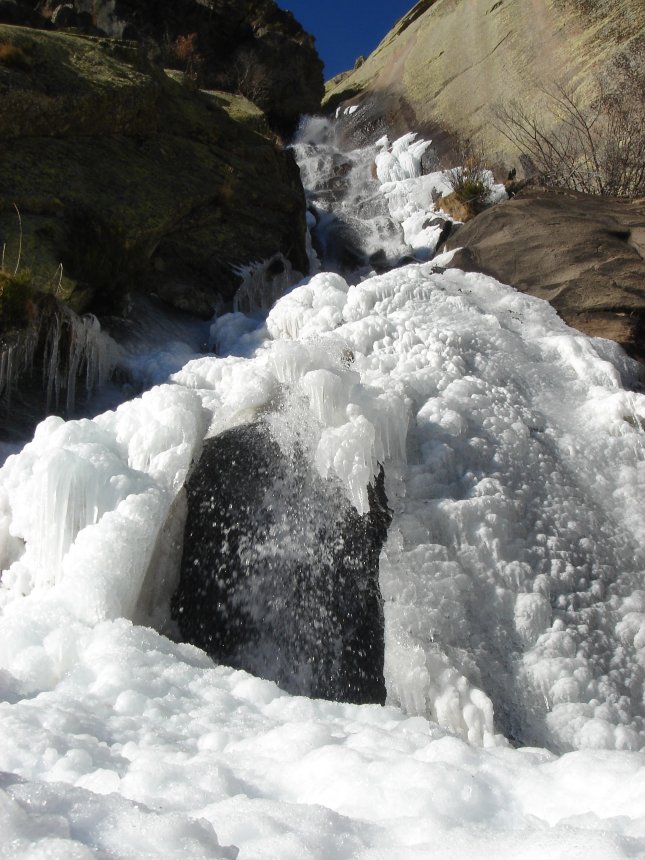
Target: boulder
279 574
584 254
115 176
20 13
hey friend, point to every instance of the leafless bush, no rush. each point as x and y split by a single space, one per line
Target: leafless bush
183 54
599 149
250 78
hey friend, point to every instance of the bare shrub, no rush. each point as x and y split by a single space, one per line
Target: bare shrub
182 53
599 149
250 78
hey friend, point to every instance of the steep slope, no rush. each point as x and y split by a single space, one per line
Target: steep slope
247 46
128 178
444 66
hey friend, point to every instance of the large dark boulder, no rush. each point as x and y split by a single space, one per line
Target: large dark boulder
279 574
20 13
583 254
130 179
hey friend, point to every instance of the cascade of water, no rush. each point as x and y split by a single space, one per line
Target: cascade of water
351 218
373 207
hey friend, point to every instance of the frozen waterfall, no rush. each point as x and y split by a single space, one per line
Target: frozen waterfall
512 577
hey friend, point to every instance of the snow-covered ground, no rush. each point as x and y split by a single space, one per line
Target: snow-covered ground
513 579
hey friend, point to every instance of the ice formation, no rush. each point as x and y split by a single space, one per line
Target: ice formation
72 350
513 578
350 221
374 201
263 283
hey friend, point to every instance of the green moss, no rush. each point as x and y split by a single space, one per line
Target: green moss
129 179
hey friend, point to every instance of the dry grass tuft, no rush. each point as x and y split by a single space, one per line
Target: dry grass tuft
14 57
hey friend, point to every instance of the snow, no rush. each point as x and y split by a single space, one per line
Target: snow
209 750
412 195
513 584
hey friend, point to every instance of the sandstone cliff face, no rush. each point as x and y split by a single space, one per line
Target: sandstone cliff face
446 64
131 180
246 46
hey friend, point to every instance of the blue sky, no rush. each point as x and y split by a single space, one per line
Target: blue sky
344 29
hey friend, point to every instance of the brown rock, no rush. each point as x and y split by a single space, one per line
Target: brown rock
583 254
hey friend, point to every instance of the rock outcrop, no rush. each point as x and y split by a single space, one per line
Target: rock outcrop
447 63
279 574
247 46
583 254
124 177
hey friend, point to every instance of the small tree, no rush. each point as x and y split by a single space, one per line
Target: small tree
185 56
250 77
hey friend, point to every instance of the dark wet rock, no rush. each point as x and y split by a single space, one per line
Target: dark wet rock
446 229
279 574
583 254
20 13
130 179
247 46
337 243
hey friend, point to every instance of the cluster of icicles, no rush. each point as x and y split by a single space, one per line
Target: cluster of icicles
73 351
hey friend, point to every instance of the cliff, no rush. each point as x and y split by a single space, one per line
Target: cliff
250 47
445 65
129 178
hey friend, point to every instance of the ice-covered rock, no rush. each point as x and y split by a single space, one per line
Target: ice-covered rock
279 573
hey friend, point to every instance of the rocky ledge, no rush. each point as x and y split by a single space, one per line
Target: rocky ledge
115 176
248 46
583 254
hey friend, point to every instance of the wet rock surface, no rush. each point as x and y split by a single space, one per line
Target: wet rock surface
279 573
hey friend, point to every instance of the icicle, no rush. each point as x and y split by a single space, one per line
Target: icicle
263 283
91 357
71 349
15 359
